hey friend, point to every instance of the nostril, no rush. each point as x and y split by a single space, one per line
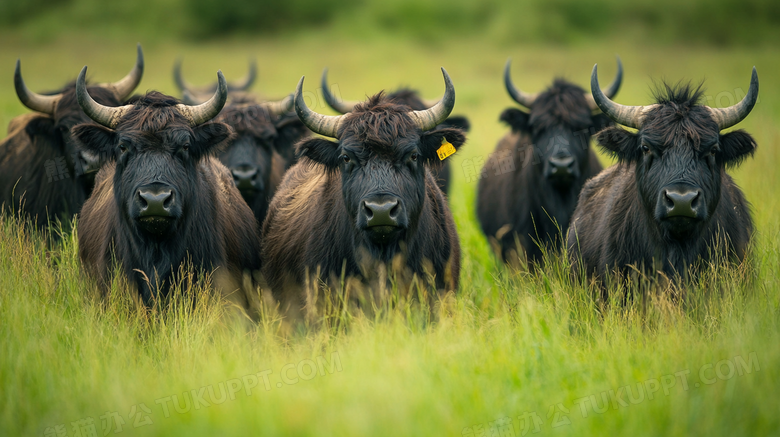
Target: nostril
395 210
668 199
168 201
694 203
141 200
368 211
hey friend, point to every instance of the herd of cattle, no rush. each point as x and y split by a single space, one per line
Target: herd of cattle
230 184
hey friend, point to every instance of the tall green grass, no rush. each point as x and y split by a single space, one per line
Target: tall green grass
506 344
516 343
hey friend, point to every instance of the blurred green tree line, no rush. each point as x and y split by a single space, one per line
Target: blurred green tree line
719 22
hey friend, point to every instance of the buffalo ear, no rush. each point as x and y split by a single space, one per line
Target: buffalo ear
210 138
620 142
457 121
96 140
735 147
516 119
39 126
319 150
431 142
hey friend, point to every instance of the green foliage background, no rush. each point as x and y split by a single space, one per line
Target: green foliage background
718 22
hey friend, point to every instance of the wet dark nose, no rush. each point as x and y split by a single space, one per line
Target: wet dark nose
561 166
381 212
245 177
155 201
682 202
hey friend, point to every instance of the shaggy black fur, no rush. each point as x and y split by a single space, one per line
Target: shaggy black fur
264 143
313 219
42 172
212 226
617 222
517 199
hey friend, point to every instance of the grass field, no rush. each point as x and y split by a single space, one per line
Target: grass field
509 350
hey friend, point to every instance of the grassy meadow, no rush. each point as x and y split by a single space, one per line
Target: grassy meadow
510 354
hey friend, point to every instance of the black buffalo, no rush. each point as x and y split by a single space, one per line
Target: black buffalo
529 186
42 172
263 148
368 199
164 199
411 98
669 203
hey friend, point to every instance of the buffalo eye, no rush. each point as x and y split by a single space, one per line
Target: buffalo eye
645 148
714 150
186 147
414 156
122 147
345 158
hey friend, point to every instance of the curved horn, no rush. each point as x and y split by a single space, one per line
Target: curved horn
280 107
341 106
630 116
248 80
521 97
327 125
428 119
727 117
125 86
105 115
611 91
613 88
242 85
34 101
178 79
206 111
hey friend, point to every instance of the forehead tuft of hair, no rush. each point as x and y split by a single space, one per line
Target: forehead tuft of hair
563 103
681 94
155 99
250 119
378 122
679 117
153 112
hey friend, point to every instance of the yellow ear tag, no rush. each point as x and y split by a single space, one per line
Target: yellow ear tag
445 150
